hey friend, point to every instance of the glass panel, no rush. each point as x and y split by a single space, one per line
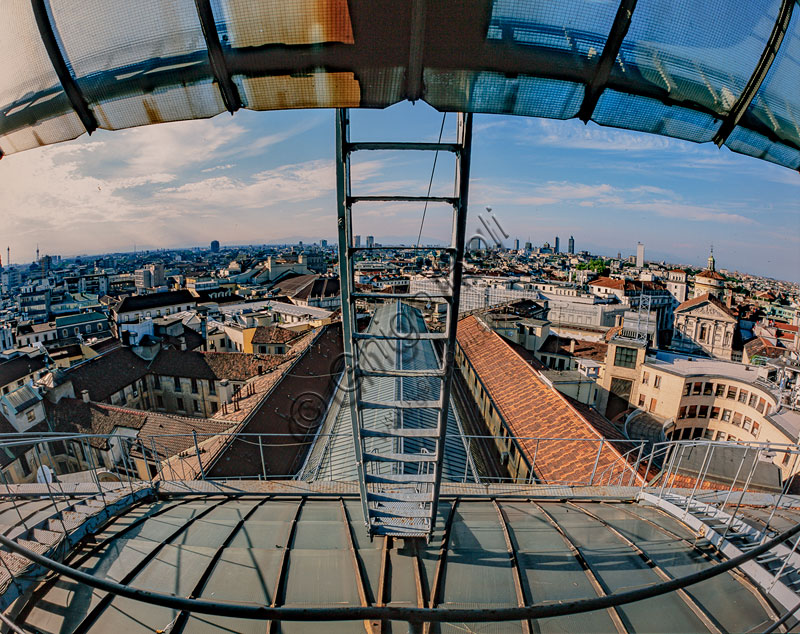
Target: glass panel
703 52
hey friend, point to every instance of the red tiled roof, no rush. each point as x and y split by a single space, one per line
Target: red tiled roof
533 409
707 297
607 282
274 334
711 275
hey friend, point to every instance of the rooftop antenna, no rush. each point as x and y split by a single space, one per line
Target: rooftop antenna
37 253
8 256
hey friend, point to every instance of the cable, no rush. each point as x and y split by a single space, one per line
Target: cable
430 182
359 613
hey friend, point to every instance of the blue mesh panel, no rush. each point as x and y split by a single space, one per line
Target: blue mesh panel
753 144
698 51
648 115
580 27
497 94
777 103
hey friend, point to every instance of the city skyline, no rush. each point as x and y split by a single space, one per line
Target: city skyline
269 176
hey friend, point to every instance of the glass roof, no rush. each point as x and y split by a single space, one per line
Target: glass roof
703 72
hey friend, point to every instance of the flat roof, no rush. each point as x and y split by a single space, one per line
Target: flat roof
312 551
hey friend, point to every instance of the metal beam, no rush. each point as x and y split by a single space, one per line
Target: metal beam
91 617
595 87
279 591
371 627
68 83
438 575
708 621
183 617
228 90
760 72
413 615
613 612
415 50
512 557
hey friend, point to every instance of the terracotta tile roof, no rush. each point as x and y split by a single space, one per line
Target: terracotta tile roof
707 297
607 282
274 334
711 275
595 350
74 416
235 366
134 303
104 375
18 367
763 348
533 409
293 407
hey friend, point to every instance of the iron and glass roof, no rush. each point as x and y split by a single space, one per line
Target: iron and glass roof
712 71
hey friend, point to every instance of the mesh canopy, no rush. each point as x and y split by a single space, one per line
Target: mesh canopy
699 71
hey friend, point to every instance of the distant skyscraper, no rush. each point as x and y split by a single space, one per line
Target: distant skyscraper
640 255
215 246
370 241
358 241
557 245
571 247
516 244
323 244
528 246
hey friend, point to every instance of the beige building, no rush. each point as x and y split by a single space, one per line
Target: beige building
624 357
704 325
717 400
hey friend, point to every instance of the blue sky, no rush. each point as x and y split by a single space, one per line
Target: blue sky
269 176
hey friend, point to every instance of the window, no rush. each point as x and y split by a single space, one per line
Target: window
703 332
692 411
625 357
160 401
743 396
682 412
213 407
761 404
686 389
703 411
156 382
212 387
753 400
721 435
726 415
748 424
177 380
756 427
708 389
653 404
657 381
737 419
197 406
715 412
641 400
709 434
645 378
194 386
696 388
180 403
732 392
31 415
720 390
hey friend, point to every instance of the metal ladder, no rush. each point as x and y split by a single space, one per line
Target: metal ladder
399 490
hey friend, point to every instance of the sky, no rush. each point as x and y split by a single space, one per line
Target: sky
261 177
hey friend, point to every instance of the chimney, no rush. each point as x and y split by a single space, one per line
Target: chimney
85 395
225 391
572 346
